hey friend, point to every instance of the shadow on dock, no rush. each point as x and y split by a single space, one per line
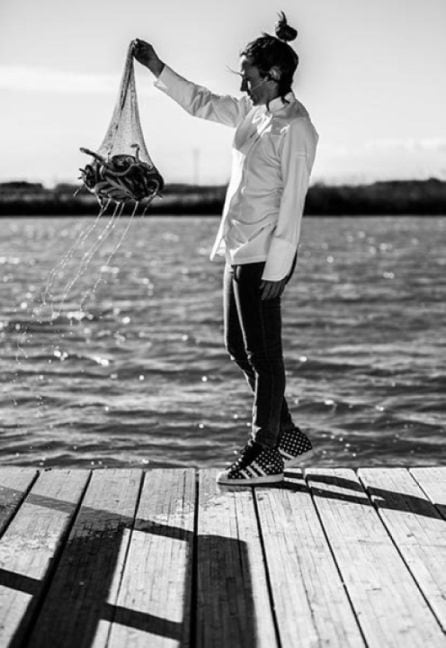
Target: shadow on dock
72 605
100 589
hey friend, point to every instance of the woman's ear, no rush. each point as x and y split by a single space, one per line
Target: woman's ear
274 73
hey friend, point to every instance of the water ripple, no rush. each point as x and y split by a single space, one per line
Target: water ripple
138 376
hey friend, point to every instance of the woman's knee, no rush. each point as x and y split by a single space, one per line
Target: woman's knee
236 351
264 362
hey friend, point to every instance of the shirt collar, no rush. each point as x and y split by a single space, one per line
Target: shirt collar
277 104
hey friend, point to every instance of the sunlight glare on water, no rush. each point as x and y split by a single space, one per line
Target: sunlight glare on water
112 354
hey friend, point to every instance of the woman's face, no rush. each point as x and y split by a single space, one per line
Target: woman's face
253 83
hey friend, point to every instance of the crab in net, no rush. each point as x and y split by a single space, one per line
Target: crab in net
121 178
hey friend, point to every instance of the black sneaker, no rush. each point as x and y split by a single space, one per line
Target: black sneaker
294 446
255 465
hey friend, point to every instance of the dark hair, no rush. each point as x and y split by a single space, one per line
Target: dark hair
268 51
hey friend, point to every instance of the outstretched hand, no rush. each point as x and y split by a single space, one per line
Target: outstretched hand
272 289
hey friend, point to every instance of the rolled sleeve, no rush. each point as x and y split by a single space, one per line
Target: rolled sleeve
201 102
295 167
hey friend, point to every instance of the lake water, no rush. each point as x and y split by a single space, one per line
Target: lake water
124 365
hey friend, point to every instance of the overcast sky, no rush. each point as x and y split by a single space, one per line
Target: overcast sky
372 75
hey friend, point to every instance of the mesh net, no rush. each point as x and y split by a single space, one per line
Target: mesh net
122 169
124 131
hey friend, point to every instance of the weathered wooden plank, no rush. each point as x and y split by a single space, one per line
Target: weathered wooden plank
94 552
416 527
389 606
29 544
15 482
310 602
153 599
433 481
233 606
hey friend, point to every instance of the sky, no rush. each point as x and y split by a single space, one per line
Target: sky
371 74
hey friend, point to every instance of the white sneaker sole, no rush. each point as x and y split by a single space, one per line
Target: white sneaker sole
291 463
252 481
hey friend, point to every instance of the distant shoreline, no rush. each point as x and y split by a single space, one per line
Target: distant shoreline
392 198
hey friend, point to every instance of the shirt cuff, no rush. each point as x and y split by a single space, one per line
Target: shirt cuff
164 79
279 260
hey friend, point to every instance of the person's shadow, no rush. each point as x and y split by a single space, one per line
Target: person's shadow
70 606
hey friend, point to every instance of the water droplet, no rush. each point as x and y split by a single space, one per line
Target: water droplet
62 355
104 362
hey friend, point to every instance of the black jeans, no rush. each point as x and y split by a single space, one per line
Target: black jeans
253 338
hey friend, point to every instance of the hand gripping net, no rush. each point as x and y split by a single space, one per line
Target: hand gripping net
122 169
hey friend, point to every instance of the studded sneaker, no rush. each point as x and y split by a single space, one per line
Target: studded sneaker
294 446
255 465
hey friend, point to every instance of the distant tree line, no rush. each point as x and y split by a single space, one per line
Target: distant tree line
398 197
392 197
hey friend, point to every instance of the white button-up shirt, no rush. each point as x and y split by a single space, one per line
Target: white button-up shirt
273 154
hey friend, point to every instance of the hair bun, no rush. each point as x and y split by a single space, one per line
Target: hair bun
283 30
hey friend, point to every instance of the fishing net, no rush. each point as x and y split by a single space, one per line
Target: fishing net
121 169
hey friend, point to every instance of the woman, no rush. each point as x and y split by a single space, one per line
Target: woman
273 153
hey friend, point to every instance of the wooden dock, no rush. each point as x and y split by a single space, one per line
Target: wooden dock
333 557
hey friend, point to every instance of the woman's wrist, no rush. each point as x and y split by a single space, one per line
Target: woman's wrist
156 67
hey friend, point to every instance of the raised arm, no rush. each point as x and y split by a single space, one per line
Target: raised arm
195 99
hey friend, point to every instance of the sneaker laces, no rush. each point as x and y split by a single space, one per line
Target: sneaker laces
246 455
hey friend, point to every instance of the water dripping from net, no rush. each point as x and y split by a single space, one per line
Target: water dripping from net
63 262
92 292
88 256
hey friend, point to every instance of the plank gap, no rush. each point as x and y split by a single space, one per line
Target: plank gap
194 568
333 554
393 539
127 549
265 563
51 571
13 511
440 507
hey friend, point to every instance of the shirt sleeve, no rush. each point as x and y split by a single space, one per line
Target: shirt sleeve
295 160
201 102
